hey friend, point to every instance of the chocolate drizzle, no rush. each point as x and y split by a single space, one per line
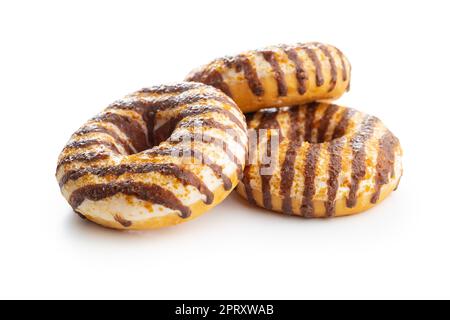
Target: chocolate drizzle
131 128
146 192
77 144
317 65
169 169
247 186
85 157
300 72
385 163
358 145
288 167
333 69
268 121
343 65
270 57
250 158
307 208
309 120
334 169
96 128
124 222
149 118
325 122
343 123
265 183
243 63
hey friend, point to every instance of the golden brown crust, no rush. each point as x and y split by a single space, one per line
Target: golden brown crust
279 75
325 160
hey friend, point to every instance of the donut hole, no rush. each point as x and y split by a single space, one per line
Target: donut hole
164 130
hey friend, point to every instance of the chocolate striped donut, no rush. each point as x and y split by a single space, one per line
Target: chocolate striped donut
319 160
279 75
160 156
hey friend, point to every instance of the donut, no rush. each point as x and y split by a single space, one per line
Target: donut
279 76
158 157
325 160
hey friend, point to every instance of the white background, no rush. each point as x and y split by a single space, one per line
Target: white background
62 62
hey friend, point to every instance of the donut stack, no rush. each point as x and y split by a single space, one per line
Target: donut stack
306 158
166 154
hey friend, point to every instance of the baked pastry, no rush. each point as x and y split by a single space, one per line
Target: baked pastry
279 75
325 160
160 156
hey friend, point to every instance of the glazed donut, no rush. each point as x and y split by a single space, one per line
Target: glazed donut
326 160
279 75
160 156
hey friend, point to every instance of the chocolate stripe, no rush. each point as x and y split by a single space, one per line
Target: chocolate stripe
199 156
332 62
343 65
146 192
124 222
149 118
341 127
265 185
77 144
317 65
325 122
358 144
247 186
93 128
130 127
268 121
307 208
385 163
288 167
169 169
242 63
309 120
300 72
270 57
334 168
84 157
250 160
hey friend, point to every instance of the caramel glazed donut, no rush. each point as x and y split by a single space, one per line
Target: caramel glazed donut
155 158
279 75
327 160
